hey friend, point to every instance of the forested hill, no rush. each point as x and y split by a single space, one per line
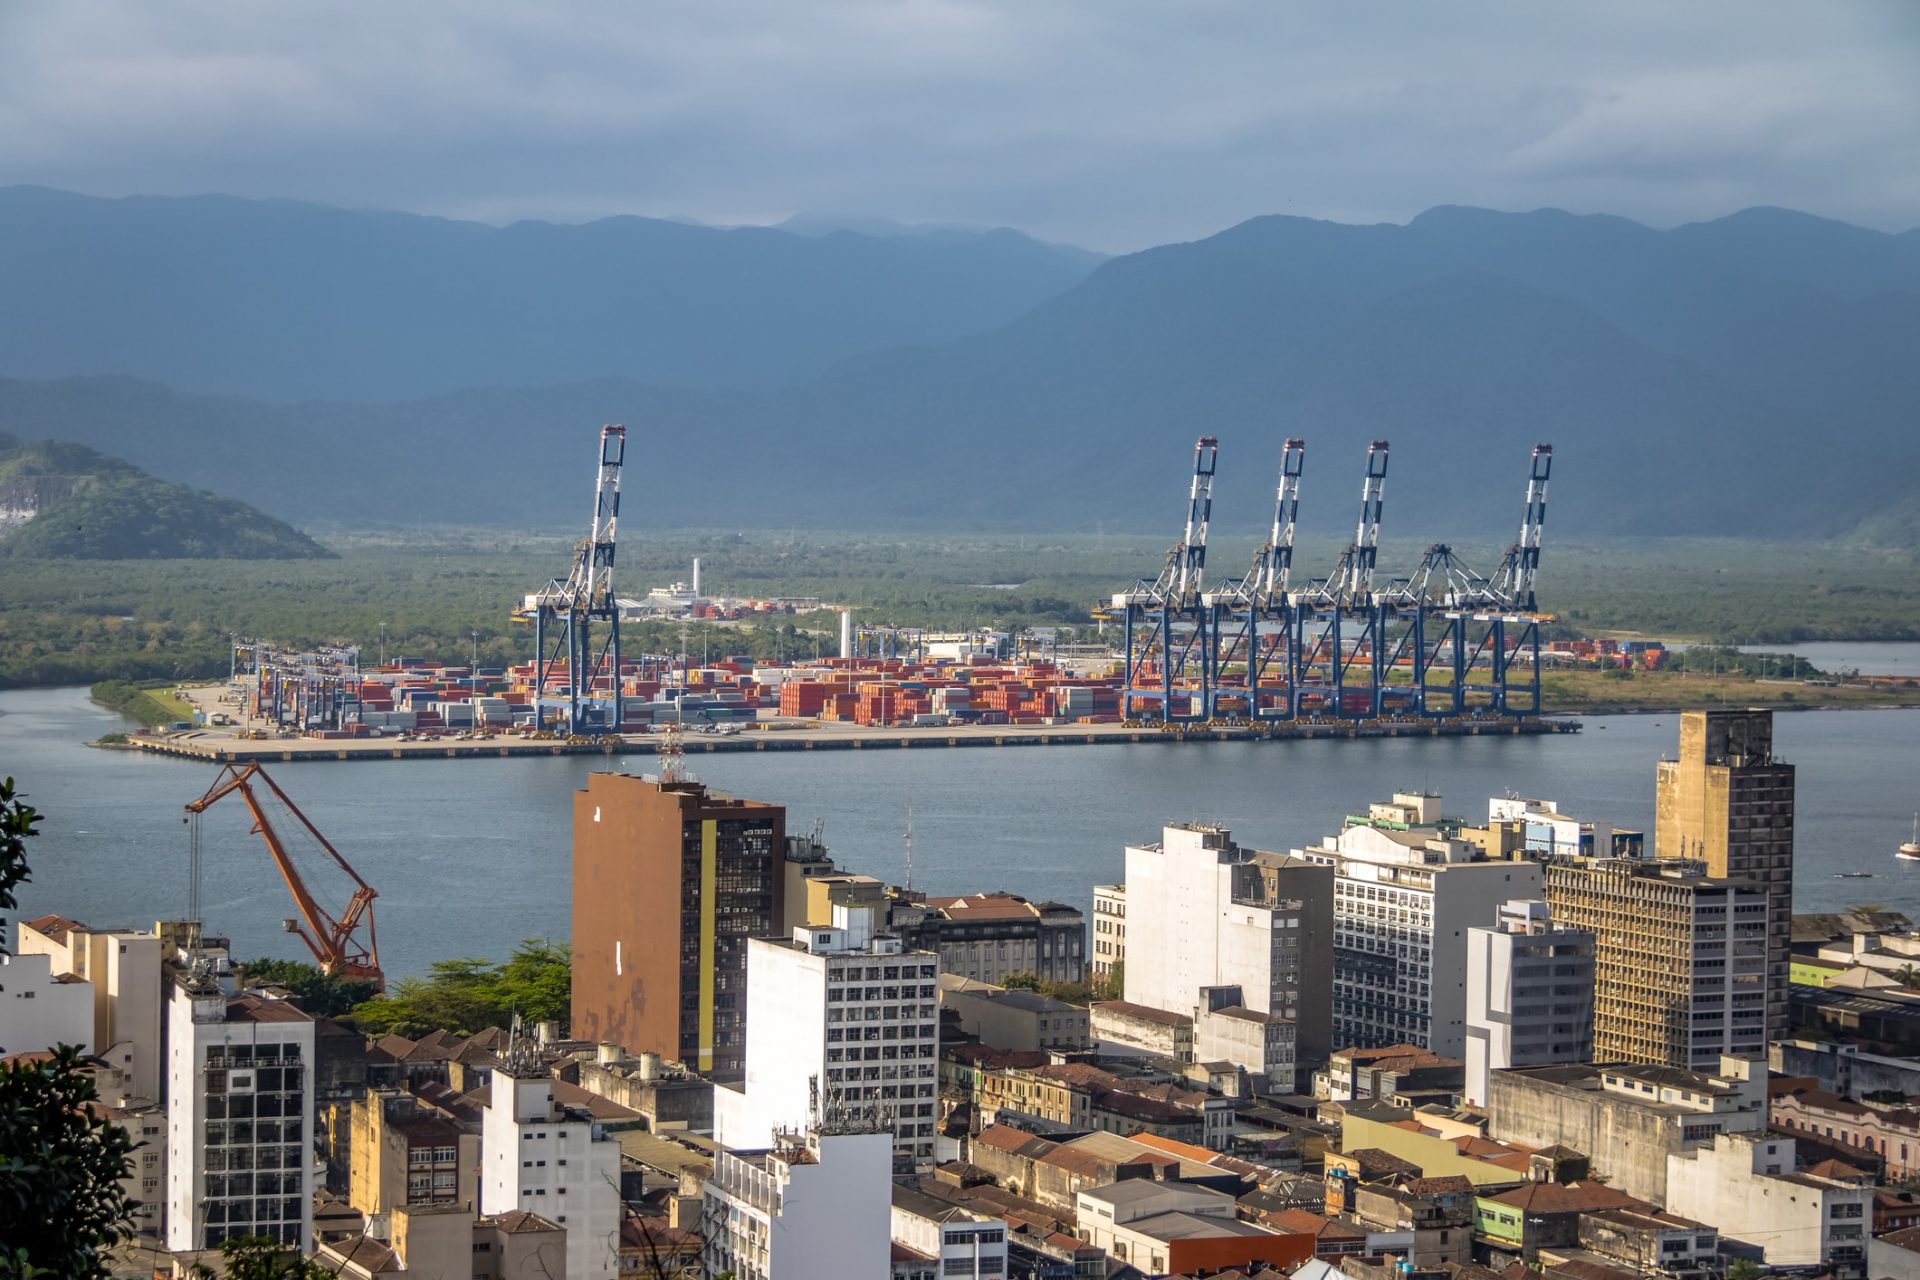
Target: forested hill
69 502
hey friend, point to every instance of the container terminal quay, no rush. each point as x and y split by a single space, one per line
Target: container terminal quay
1440 651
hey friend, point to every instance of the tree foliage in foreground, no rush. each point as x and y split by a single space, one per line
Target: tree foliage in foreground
62 1201
259 1258
467 995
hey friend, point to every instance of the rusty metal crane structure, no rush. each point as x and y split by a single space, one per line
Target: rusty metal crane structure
343 945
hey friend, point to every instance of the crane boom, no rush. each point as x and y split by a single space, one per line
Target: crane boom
334 942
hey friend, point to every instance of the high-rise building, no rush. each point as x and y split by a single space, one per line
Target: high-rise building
546 1159
1204 912
842 1020
1680 958
1407 887
669 882
1728 803
239 1116
1529 994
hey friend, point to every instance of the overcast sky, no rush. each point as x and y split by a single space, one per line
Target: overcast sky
1110 123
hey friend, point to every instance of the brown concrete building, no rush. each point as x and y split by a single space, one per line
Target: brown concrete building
669 882
1728 803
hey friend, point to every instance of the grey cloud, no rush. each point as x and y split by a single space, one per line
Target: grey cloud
1115 123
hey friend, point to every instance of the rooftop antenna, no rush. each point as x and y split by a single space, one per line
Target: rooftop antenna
673 753
909 848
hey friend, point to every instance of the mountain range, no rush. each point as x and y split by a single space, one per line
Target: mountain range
1749 376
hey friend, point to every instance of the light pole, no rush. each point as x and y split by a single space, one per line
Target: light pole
383 644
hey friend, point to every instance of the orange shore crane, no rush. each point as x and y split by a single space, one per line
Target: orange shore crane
336 943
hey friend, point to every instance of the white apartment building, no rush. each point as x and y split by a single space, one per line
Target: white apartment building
1406 890
1203 912
39 1009
813 1207
959 1243
1109 929
1529 994
1745 1184
239 1116
844 1020
542 1158
122 970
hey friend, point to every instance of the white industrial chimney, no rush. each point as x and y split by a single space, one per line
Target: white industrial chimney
846 633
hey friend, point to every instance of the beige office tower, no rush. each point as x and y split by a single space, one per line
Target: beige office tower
1728 803
1680 959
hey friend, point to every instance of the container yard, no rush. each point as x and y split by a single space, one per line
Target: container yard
1444 651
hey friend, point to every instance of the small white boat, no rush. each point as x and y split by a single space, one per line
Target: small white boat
1910 851
1853 875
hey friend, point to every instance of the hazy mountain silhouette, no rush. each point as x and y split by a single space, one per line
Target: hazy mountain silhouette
291 301
1752 375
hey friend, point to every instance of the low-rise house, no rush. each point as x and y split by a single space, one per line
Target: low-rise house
1895 1256
1159 1227
1430 1218
1403 1071
964 1243
1013 1019
1537 1215
1746 1185
1650 1240
1628 1119
1121 1028
1882 1134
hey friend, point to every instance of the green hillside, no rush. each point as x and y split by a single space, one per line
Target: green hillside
69 502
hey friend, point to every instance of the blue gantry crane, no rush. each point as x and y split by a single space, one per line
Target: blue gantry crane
1167 637
576 674
1337 660
1252 668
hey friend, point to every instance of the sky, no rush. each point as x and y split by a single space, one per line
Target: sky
1114 124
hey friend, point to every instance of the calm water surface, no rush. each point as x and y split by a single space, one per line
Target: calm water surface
470 856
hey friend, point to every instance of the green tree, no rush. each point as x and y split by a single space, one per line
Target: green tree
1745 1269
62 1201
468 995
259 1258
325 995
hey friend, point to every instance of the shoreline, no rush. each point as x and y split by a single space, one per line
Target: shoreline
224 750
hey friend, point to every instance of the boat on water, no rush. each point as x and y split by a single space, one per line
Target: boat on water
1853 875
1910 851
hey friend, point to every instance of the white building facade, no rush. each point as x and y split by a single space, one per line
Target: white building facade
962 1244
1529 994
814 1207
1745 1185
123 972
542 1158
840 1019
40 1010
239 1117
1406 891
1202 912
